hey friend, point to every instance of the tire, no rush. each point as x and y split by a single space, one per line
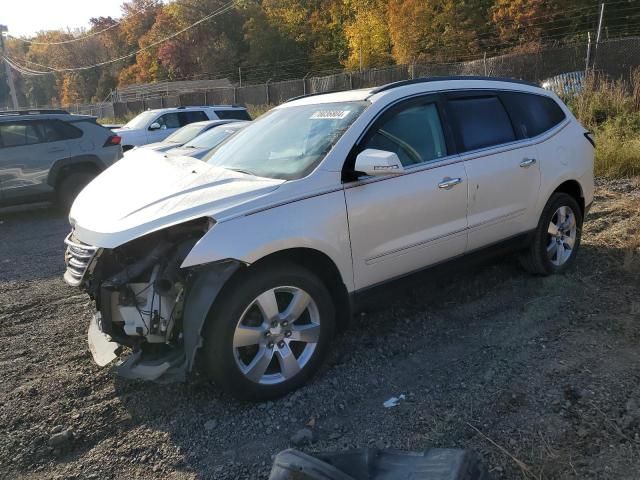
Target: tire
543 258
265 370
70 186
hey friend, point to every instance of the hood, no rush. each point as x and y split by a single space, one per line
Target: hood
147 191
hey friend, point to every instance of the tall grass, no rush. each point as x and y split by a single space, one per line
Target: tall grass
611 110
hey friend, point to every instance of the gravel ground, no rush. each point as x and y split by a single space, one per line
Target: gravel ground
538 375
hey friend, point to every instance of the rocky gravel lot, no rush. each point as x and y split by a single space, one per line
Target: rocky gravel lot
538 375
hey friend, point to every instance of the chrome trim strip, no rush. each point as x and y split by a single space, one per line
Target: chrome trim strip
293 200
468 229
506 216
424 243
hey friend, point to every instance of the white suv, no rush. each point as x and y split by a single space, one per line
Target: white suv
155 125
252 259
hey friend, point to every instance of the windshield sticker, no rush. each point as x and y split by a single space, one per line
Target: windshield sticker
330 114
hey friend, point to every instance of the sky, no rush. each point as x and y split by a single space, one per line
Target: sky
25 17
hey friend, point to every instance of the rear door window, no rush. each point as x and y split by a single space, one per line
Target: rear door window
532 114
189 117
55 130
480 122
233 114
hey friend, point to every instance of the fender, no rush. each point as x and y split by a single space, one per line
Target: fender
318 223
58 168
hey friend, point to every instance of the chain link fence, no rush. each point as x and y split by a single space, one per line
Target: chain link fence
615 58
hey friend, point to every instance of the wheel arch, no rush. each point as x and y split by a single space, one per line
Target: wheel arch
318 263
574 189
85 163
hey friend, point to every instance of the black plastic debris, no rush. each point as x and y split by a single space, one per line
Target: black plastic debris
374 464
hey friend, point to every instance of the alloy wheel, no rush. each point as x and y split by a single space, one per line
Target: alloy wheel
562 234
276 335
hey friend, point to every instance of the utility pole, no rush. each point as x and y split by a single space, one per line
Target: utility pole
9 73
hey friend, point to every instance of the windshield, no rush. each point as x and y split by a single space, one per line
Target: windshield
185 134
212 138
140 121
287 143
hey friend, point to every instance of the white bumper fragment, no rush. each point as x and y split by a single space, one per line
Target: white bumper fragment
101 346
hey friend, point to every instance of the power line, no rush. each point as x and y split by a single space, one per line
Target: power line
84 37
225 8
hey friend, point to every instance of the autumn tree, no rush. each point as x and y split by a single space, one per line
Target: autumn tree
436 30
367 34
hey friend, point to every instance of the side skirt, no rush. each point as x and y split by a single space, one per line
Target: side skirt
374 294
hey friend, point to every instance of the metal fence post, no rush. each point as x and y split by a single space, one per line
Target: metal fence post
267 89
586 68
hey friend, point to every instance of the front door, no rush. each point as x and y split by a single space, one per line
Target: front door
400 224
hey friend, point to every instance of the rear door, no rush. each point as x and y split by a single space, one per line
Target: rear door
28 150
503 170
399 224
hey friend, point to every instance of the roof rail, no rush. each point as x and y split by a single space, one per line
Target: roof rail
33 111
311 95
402 83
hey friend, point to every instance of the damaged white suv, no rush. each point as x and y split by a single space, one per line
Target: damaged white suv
245 264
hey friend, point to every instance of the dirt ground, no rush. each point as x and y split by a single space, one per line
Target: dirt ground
538 375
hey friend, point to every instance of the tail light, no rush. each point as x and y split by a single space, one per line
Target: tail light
589 136
113 140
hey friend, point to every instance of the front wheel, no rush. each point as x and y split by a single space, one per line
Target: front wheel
557 237
269 331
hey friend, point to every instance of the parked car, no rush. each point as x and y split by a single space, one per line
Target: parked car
252 261
154 126
51 155
185 134
203 144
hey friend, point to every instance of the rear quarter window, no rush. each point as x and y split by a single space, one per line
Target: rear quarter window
480 122
233 114
58 130
532 114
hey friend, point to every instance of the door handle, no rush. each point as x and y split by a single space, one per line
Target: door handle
55 150
527 162
448 183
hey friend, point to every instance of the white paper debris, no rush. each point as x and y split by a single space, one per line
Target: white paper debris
330 114
393 401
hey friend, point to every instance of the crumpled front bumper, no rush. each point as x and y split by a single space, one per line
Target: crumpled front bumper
202 289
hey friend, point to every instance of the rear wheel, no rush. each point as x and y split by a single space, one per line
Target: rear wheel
557 237
269 332
70 186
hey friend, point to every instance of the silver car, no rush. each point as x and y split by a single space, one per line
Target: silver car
206 142
51 155
185 135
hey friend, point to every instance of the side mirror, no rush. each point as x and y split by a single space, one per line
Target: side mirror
378 163
154 126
